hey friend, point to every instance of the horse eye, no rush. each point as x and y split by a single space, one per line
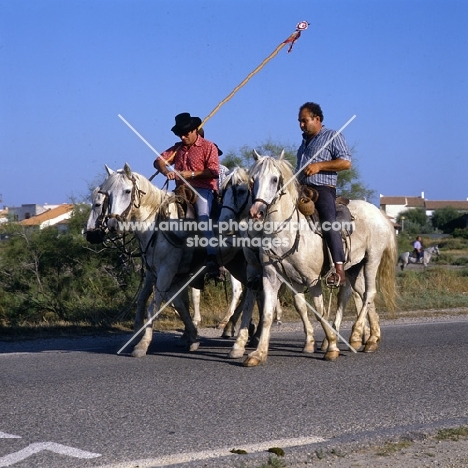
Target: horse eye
275 179
128 191
97 205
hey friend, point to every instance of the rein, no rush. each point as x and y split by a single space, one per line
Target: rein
275 258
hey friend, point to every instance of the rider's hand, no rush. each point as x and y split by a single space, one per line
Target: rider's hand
312 168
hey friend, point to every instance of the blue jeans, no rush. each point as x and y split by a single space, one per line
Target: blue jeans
203 208
326 208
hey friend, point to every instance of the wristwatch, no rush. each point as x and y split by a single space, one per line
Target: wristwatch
193 174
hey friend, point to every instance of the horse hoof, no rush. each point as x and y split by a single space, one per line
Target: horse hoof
356 345
309 348
138 352
194 346
371 348
331 356
251 362
236 353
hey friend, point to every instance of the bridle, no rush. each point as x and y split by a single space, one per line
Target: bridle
235 195
277 196
135 202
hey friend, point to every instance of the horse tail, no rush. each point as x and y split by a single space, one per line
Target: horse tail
386 274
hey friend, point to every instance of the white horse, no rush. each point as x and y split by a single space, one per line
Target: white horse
292 251
236 201
406 257
133 199
96 233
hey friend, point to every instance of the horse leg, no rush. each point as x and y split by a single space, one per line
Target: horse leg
330 341
229 329
196 293
236 296
357 284
368 303
142 346
344 293
181 302
142 300
279 309
271 285
301 308
238 348
372 342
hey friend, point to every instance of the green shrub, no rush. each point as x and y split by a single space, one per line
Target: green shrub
461 233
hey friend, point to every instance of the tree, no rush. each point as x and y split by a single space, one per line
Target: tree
47 275
442 217
244 156
415 221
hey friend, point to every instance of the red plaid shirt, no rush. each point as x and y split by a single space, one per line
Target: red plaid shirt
200 156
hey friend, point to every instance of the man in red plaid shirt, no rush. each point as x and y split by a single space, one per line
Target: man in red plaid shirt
197 161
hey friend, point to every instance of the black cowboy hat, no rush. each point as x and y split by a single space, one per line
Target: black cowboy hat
185 123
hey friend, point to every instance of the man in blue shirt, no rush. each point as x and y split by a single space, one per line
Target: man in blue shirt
322 154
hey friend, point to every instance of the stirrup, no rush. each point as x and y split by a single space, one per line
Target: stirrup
333 280
213 271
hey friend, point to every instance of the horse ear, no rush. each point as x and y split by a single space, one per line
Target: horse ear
128 171
255 155
108 169
282 155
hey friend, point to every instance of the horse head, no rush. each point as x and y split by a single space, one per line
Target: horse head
120 190
95 229
269 176
235 197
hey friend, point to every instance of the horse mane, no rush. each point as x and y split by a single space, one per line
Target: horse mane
238 176
284 167
154 196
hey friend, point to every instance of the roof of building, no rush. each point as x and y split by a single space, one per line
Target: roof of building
48 215
414 202
420 202
437 204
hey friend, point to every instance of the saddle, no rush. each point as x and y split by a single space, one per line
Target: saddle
185 199
306 205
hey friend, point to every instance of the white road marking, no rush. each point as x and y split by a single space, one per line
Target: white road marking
175 459
4 435
12 458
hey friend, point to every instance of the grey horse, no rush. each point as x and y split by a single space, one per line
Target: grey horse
406 258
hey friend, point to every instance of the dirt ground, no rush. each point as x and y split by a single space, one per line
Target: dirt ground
419 450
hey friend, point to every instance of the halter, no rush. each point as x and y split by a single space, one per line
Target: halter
279 193
135 200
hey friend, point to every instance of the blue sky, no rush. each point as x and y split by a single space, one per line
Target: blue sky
68 68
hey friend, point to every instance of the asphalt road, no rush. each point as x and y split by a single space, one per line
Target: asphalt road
76 403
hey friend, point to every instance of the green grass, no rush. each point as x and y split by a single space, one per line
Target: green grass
390 448
452 434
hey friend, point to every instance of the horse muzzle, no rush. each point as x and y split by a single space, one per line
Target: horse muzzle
113 222
258 209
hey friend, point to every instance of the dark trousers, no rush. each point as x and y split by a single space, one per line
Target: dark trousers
326 209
